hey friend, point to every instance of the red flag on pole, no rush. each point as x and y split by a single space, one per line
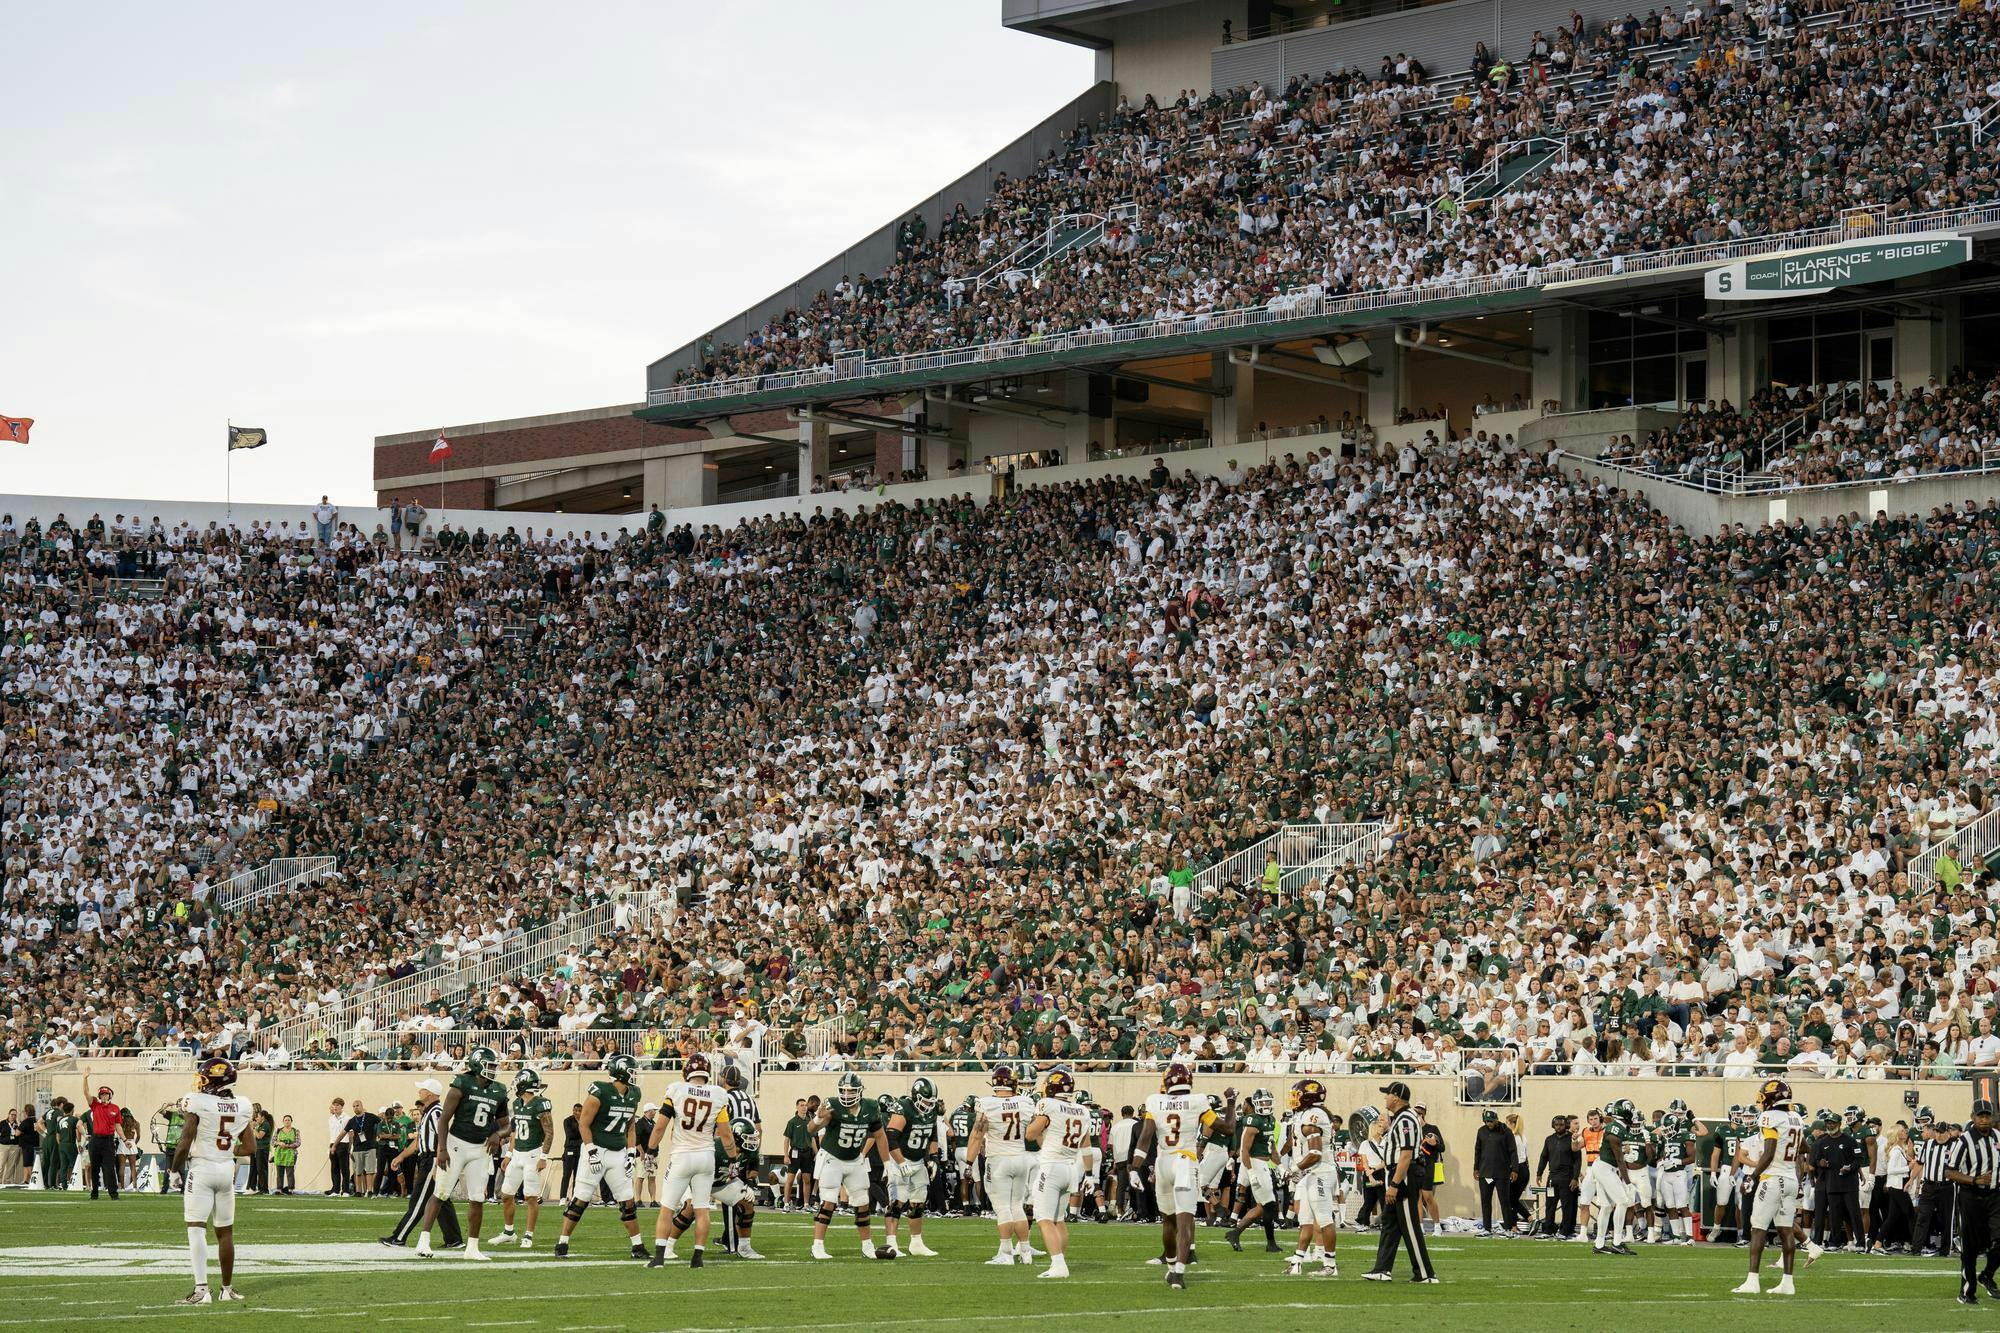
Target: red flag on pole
15 428
441 450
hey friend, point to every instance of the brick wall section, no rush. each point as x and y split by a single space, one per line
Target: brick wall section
888 452
531 446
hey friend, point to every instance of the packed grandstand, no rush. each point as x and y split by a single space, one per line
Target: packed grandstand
1745 122
933 780
1654 797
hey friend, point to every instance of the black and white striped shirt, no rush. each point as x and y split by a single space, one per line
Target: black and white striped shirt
1933 1157
1976 1153
427 1129
742 1107
1404 1135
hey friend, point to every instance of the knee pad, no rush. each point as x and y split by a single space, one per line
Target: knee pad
629 1210
682 1220
864 1214
915 1212
746 1212
574 1210
895 1209
825 1213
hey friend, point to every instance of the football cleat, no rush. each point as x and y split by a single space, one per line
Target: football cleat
819 1250
229 1294
199 1296
743 1251
921 1250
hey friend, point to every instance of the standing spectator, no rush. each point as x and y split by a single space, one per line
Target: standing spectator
102 1127
396 524
260 1153
572 1147
362 1125
285 1156
325 516
1558 1170
1517 1181
338 1155
1430 1162
128 1150
10 1146
27 1144
1493 1161
414 515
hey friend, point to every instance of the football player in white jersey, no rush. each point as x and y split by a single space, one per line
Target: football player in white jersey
1000 1132
1775 1169
1172 1125
1313 1144
698 1114
1063 1126
212 1138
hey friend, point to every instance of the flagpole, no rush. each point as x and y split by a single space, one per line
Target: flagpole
229 472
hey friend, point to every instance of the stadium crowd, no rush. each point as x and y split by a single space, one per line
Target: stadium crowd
1650 798
1850 432
1742 122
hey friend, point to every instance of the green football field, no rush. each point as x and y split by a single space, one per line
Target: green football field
68 1263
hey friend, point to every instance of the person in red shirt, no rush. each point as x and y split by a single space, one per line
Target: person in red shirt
104 1120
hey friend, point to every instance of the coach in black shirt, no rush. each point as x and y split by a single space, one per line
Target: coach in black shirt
1558 1170
1493 1162
572 1147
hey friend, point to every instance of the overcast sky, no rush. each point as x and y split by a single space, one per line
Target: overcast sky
339 221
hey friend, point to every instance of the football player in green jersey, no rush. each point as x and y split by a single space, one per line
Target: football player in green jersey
911 1124
527 1154
959 1126
847 1126
610 1110
475 1119
1673 1152
1256 1148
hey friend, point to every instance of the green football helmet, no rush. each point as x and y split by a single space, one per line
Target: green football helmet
1083 1097
527 1083
924 1096
481 1061
1678 1106
748 1137
622 1068
849 1090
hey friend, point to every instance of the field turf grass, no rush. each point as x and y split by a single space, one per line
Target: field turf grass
66 1263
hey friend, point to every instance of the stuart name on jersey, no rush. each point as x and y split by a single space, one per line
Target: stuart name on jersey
1007 1124
1069 1131
222 1119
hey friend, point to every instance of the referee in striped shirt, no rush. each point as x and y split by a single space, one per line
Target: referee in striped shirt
742 1111
1400 1220
1973 1165
424 1145
1934 1192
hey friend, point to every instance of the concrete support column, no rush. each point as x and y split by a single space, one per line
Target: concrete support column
1385 388
1082 430
1232 413
1558 374
1743 365
815 438
1925 347
686 482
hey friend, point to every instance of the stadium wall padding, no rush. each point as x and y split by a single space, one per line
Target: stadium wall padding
305 1095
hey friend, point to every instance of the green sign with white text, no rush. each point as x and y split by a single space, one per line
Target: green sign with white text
1828 267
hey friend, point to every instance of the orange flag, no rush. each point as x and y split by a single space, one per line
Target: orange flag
15 428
